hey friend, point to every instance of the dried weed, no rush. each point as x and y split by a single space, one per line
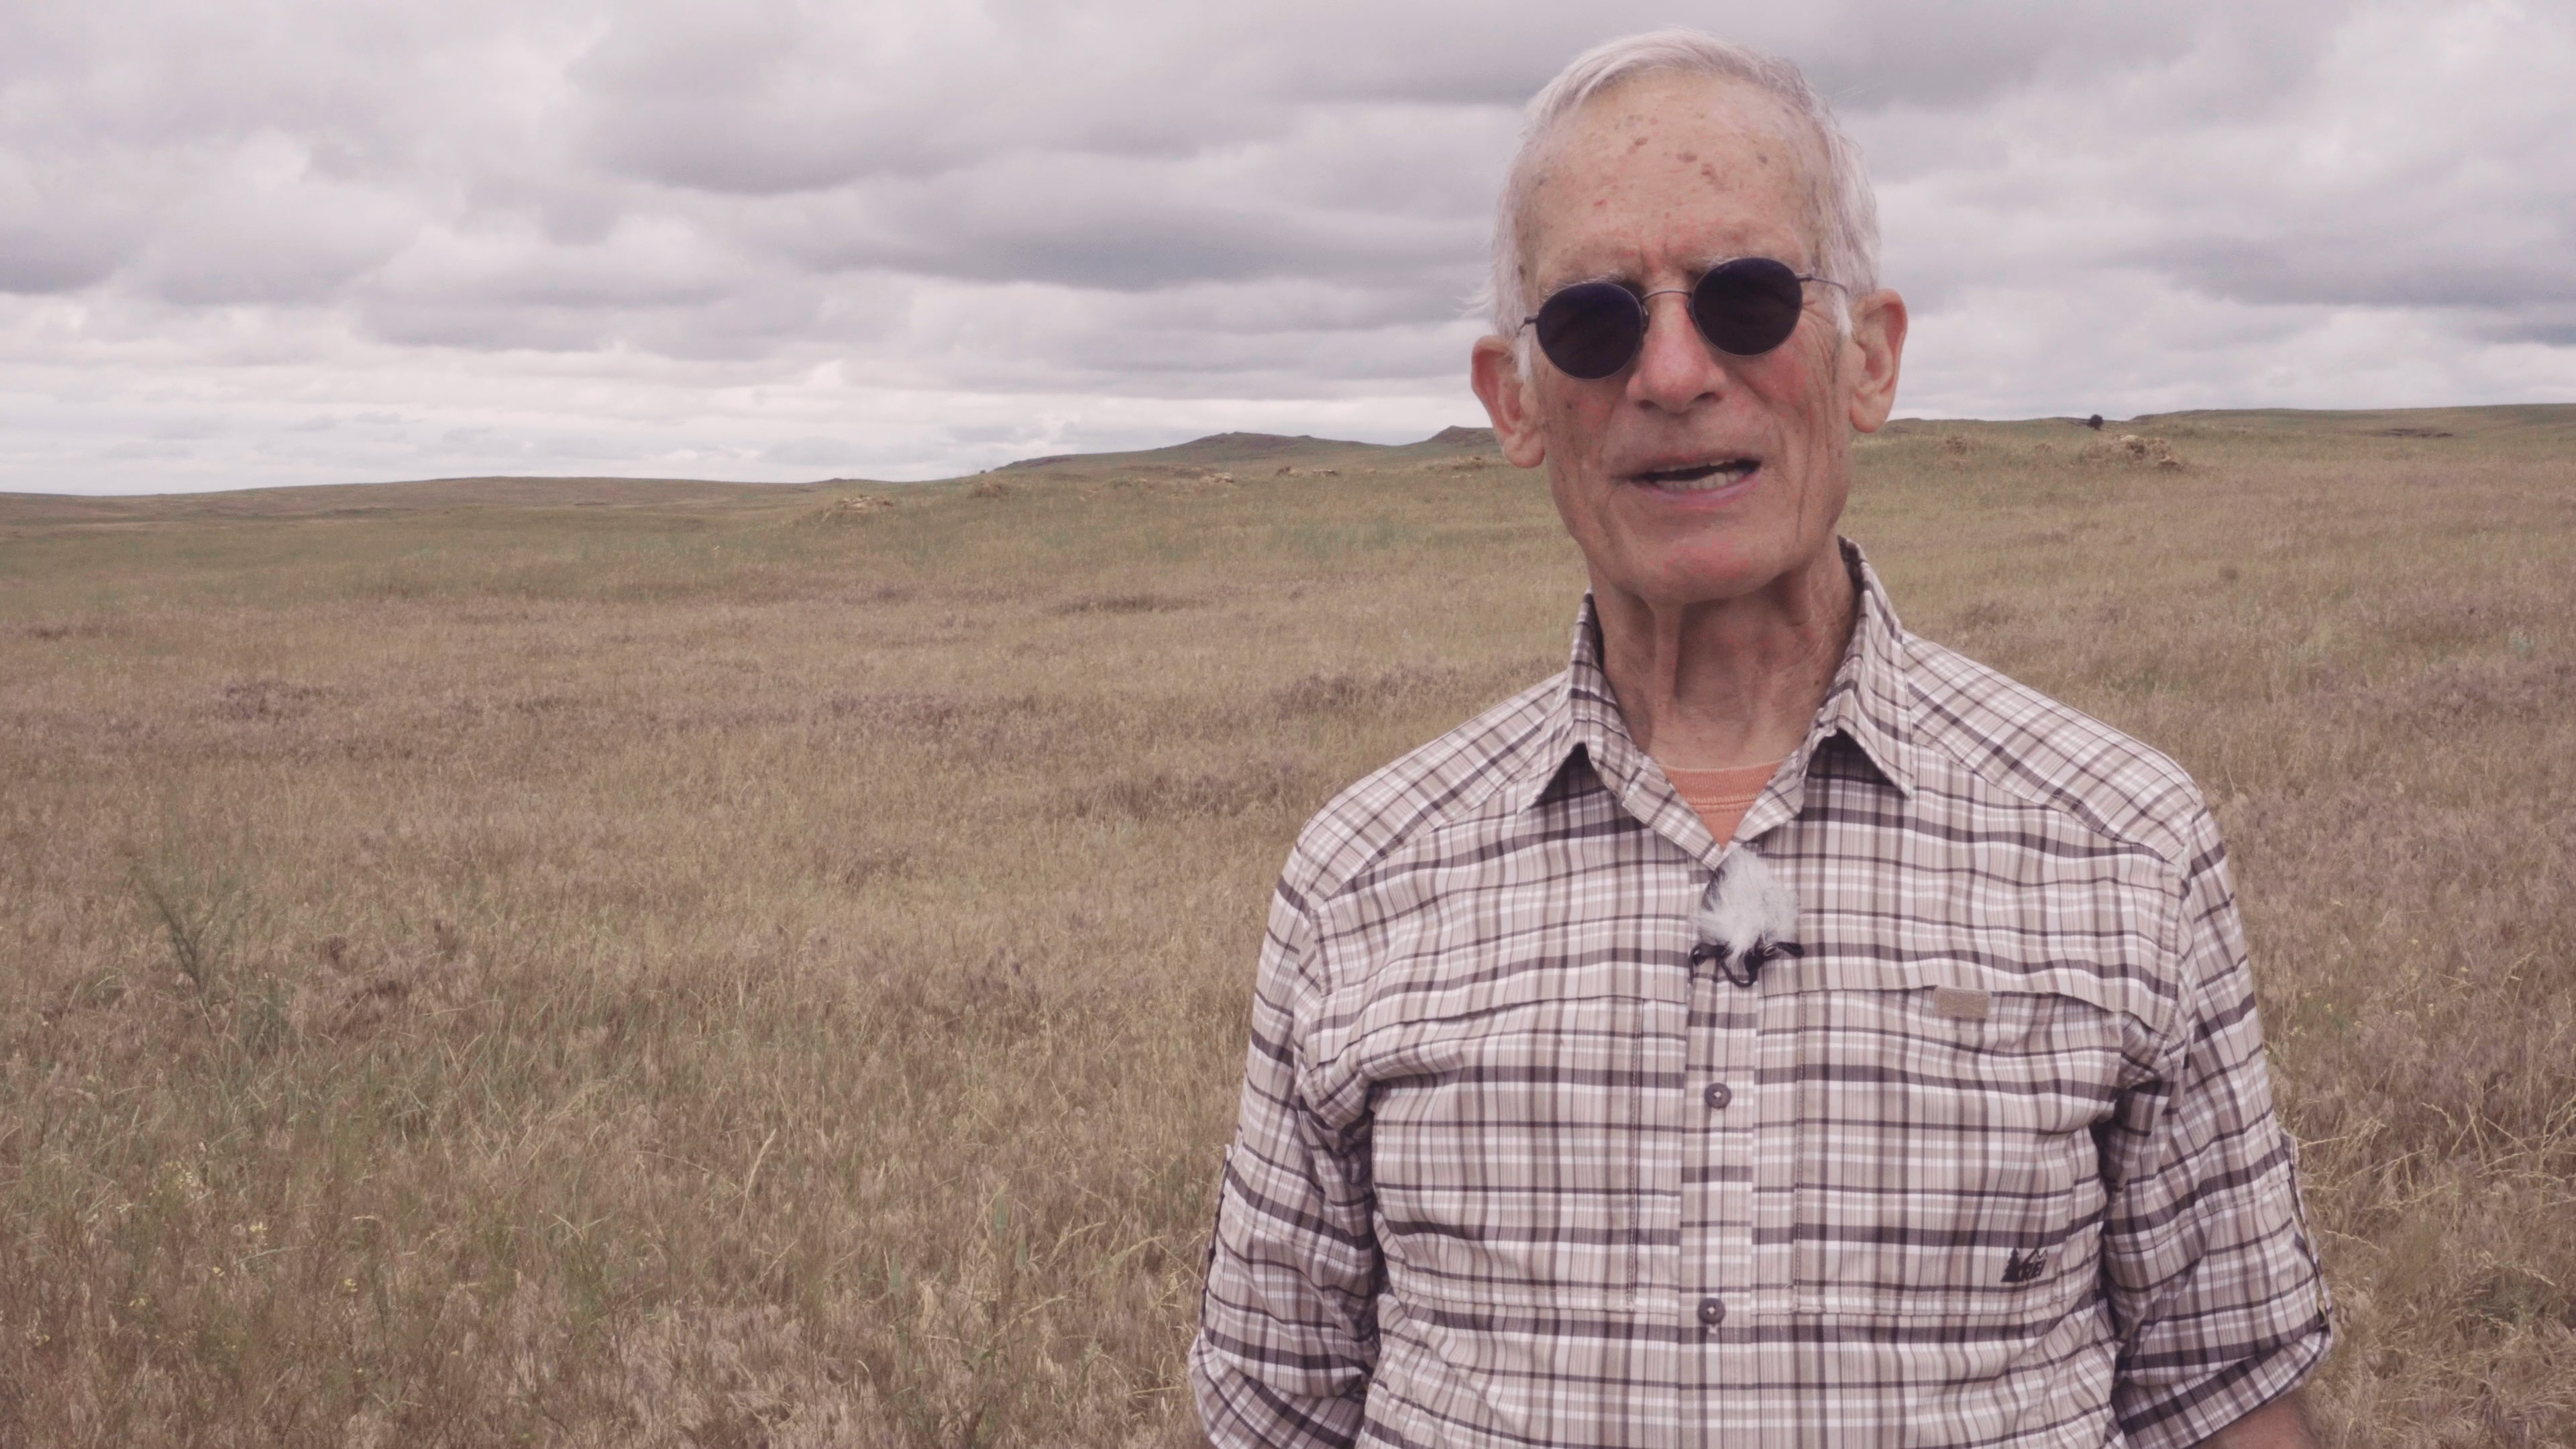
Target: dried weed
679 978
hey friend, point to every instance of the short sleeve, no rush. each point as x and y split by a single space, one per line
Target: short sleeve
2211 1274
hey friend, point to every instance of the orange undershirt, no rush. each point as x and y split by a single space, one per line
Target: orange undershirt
1722 796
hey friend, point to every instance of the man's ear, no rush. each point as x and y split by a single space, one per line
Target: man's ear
1872 353
1496 375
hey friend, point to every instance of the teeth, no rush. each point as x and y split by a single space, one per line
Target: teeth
1714 475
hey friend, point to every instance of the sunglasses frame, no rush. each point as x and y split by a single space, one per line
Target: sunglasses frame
1644 319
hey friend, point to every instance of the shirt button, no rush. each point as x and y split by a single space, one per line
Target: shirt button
1712 1312
1717 1095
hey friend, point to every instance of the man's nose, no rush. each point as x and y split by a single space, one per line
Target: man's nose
1676 368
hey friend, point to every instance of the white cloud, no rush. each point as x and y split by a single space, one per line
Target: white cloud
307 242
2222 228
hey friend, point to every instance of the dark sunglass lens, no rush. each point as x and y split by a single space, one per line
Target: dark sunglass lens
1591 329
1748 306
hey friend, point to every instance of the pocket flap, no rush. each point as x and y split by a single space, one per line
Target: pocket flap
1960 983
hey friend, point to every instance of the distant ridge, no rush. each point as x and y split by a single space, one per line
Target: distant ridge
1218 450
2548 425
2493 421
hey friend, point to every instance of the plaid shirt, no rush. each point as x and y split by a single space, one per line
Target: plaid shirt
1991 1161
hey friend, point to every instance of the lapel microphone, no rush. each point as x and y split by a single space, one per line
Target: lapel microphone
1745 920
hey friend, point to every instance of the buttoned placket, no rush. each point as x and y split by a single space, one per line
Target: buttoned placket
1721 1290
1769 1122
1721 1180
1734 1107
1730 1114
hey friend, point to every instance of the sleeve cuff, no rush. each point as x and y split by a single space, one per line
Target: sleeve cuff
2194 1414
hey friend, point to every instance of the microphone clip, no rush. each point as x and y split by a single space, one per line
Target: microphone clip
1746 904
1741 968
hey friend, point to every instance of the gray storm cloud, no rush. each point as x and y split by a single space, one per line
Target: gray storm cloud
310 242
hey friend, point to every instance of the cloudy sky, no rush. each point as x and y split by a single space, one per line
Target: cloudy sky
304 241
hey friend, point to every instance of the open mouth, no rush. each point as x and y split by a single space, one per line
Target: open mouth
1701 476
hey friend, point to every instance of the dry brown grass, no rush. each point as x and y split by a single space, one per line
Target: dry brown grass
679 974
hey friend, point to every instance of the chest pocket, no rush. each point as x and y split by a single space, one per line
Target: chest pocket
1945 1163
1506 1154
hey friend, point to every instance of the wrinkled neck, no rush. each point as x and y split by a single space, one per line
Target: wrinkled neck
1728 683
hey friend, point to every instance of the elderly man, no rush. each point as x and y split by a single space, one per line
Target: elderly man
1776 1029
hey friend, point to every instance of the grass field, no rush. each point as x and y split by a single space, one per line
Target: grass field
756 966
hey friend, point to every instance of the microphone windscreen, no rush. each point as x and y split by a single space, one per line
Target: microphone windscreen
1746 906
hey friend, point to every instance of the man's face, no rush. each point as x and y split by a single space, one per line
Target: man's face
1691 475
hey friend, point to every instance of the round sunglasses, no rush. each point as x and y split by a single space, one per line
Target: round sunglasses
1744 308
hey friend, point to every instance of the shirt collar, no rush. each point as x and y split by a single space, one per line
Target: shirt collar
1868 704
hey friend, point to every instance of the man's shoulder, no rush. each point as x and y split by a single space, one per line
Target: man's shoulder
1977 720
1463 774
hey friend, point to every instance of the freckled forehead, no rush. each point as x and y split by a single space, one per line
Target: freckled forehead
1668 171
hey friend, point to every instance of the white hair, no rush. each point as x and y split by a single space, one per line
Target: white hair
1842 211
